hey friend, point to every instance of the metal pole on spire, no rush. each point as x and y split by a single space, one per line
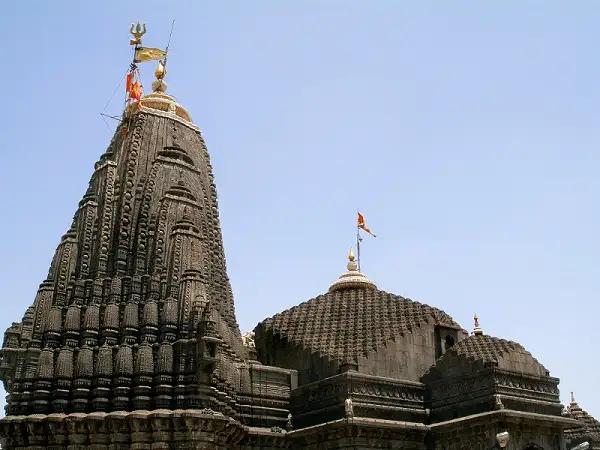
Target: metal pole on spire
168 43
358 240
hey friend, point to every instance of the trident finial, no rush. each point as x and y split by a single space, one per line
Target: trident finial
137 30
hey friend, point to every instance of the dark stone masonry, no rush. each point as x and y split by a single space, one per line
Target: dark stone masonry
132 340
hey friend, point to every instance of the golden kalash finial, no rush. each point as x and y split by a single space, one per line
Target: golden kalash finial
160 71
352 265
352 278
477 331
159 84
137 30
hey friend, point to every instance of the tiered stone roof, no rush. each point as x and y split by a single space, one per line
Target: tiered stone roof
344 324
492 350
590 427
487 348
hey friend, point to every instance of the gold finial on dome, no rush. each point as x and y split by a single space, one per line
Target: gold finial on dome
159 84
353 278
477 331
352 264
160 71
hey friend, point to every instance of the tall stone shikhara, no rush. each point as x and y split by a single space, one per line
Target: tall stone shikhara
132 340
138 277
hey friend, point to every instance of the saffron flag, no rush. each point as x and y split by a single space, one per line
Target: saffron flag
129 82
136 91
363 225
148 54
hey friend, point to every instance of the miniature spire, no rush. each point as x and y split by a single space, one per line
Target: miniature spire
573 398
477 331
353 278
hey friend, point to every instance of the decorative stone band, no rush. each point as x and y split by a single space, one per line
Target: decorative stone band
492 389
361 432
372 397
161 102
526 430
157 429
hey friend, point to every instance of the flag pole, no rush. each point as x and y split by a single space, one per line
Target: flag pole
358 243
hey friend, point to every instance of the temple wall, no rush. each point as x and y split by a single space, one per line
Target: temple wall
405 358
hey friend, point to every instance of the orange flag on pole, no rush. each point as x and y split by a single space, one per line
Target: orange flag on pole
128 82
136 91
363 225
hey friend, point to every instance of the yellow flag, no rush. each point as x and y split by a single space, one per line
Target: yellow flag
148 54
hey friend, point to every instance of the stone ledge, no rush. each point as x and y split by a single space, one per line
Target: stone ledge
507 415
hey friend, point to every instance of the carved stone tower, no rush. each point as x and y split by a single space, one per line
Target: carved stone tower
137 311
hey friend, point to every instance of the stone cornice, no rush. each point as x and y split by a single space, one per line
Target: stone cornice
504 415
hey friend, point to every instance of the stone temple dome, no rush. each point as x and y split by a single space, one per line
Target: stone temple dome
356 326
492 351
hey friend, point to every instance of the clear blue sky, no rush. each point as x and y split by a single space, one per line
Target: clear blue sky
467 132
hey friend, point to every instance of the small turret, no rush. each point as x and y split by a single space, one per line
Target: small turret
144 371
63 373
103 370
130 324
82 383
123 374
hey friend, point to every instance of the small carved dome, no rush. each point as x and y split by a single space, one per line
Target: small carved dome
482 349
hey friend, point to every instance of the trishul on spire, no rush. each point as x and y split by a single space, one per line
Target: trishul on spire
137 30
143 54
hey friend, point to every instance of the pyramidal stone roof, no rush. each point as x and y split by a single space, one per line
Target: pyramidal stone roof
492 350
487 348
344 324
590 427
